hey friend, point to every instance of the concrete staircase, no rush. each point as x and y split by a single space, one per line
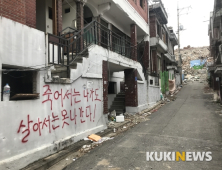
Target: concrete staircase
119 103
61 71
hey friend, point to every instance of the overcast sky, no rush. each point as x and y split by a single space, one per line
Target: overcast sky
196 33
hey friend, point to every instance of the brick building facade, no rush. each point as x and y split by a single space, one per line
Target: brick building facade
22 11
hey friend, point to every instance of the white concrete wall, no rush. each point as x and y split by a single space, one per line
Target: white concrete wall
68 19
117 77
153 93
23 142
135 16
142 95
155 41
98 53
21 45
128 10
32 145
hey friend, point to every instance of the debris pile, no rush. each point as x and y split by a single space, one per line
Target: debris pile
193 53
207 89
95 141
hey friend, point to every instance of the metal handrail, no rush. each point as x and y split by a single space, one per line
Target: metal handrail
79 41
68 28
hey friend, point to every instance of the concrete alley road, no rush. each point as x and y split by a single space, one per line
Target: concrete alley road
190 123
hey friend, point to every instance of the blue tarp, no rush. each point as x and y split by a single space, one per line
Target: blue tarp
197 63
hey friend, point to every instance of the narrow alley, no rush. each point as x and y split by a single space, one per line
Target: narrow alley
110 84
191 123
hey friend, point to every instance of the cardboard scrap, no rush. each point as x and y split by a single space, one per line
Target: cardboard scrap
94 137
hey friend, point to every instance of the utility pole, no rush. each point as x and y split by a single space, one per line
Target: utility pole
178 22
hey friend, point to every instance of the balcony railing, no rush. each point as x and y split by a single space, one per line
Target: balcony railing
65 48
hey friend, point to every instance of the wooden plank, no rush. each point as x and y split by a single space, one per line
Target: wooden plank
25 96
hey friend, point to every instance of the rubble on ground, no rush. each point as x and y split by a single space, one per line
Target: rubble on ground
207 89
194 53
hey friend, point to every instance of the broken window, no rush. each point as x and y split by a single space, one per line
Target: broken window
22 84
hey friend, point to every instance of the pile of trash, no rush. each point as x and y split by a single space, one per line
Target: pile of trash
198 75
95 141
131 120
193 53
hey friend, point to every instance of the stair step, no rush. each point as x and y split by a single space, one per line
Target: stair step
63 68
119 99
59 68
73 63
118 102
117 108
61 74
76 59
121 94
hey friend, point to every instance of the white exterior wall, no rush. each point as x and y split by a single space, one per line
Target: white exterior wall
23 142
15 144
117 77
130 11
131 15
21 145
68 19
142 95
25 47
153 93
